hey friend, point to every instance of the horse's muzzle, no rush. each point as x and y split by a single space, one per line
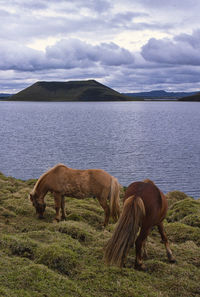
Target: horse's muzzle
40 208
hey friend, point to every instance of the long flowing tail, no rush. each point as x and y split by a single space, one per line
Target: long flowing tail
124 235
114 199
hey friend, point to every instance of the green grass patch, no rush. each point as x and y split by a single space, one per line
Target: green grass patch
82 232
40 258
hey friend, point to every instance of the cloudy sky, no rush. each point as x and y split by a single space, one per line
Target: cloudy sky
129 45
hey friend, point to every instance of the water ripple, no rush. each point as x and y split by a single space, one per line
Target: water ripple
131 140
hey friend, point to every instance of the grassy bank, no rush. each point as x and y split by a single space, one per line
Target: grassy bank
41 258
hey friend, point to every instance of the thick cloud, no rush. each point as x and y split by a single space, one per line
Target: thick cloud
170 4
161 65
27 20
19 57
183 50
170 79
193 40
129 45
100 5
65 54
73 52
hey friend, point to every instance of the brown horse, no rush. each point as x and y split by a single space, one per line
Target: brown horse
63 181
145 206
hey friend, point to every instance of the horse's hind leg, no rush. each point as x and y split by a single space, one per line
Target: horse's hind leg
139 247
106 209
63 217
166 243
57 200
145 254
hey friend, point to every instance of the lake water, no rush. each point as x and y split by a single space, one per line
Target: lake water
130 140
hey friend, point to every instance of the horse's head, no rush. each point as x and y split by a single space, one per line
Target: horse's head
39 207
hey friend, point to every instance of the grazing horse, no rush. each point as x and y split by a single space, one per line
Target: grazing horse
63 181
145 206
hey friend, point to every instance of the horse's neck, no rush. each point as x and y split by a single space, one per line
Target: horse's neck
42 188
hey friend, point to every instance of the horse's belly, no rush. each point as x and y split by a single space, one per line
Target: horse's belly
77 195
76 192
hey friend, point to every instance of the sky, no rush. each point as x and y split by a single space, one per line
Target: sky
128 45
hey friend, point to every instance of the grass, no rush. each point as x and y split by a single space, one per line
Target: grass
42 258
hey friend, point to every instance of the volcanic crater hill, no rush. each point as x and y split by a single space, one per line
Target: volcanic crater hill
41 258
89 90
195 97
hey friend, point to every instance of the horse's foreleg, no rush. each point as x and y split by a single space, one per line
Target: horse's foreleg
106 208
63 217
139 247
57 200
145 254
166 243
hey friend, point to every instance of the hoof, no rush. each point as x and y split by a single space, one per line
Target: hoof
141 267
172 260
123 266
55 221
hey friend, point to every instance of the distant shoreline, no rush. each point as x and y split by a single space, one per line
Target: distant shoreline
90 91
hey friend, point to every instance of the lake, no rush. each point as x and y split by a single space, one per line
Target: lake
130 140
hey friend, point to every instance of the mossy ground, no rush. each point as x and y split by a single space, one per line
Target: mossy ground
41 258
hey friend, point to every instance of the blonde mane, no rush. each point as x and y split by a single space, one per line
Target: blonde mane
43 176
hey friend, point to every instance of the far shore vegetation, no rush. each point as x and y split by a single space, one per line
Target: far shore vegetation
90 90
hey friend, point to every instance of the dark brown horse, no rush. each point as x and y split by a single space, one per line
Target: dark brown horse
63 181
145 206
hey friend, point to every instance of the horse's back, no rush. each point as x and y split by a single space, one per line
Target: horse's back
79 181
154 200
99 175
99 180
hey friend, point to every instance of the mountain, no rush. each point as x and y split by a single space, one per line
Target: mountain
160 94
89 90
195 97
4 96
